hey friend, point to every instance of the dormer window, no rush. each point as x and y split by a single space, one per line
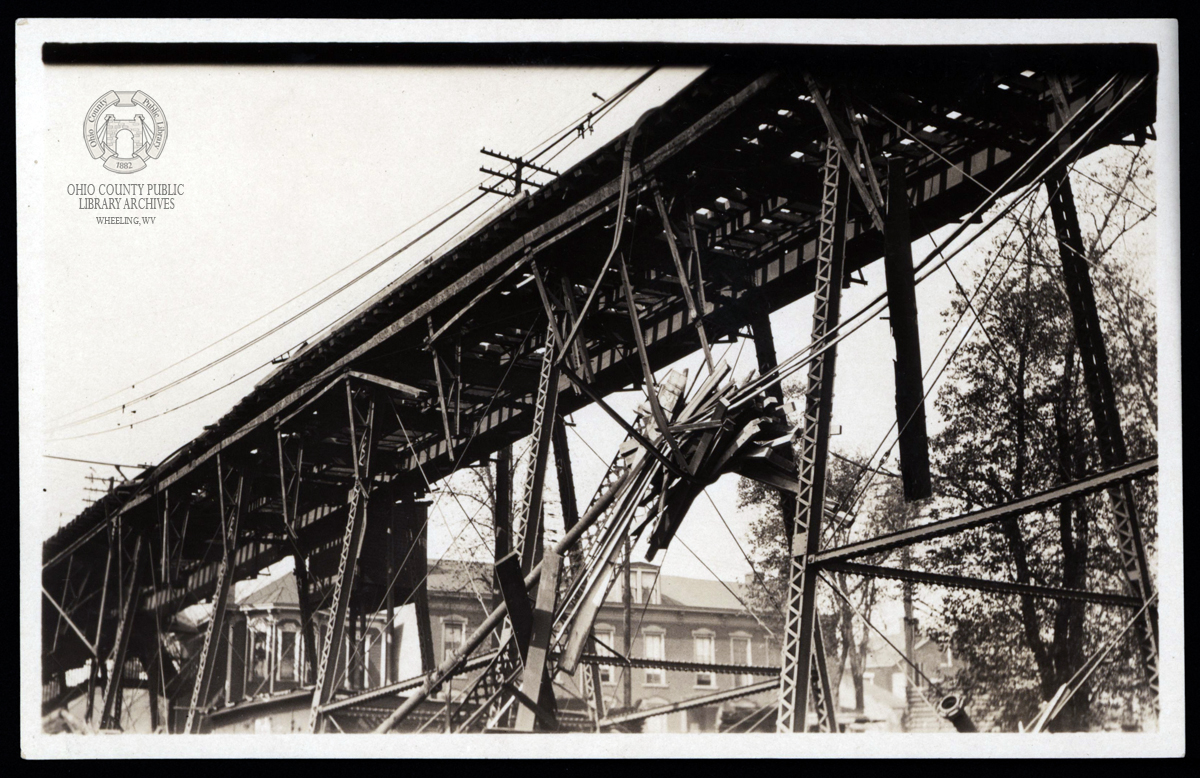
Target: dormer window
645 586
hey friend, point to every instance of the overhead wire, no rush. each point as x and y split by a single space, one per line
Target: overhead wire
437 500
734 594
789 366
620 96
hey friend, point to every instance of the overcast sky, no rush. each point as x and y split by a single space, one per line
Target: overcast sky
291 174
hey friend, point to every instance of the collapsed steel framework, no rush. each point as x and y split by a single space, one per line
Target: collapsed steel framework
754 186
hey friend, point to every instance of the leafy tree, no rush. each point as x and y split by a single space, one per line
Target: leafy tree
852 499
1017 421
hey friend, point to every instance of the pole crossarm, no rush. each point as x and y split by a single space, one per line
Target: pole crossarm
983 585
694 702
938 529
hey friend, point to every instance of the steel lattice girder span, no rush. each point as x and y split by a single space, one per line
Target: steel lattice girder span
736 158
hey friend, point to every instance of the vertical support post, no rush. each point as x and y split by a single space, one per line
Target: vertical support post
502 514
165 540
566 476
169 678
230 514
539 642
93 671
441 387
413 523
362 440
1105 414
108 563
391 671
627 614
109 713
902 307
528 519
812 455
290 502
764 348
150 659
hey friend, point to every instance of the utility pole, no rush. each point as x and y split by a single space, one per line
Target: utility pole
910 623
627 602
502 515
517 176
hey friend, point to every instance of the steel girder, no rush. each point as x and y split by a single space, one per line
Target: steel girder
231 509
1102 402
580 360
799 667
361 411
979 518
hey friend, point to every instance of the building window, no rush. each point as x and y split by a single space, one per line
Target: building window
704 653
287 659
452 638
645 586
740 646
259 657
605 636
654 648
373 654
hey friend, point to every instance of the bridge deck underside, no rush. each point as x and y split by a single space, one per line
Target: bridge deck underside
736 157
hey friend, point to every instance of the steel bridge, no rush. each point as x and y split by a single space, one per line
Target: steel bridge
756 185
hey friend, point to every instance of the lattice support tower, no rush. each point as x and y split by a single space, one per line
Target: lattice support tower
800 630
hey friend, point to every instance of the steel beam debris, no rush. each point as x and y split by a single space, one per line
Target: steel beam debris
528 321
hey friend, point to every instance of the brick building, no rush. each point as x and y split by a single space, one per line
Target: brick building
258 686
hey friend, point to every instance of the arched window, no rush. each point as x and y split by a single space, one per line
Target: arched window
287 652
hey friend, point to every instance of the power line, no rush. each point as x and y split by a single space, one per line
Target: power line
95 462
271 331
746 556
716 577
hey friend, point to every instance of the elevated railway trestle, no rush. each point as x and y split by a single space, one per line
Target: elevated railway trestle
756 185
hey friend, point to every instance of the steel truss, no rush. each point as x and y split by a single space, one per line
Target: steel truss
360 406
677 281
803 656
